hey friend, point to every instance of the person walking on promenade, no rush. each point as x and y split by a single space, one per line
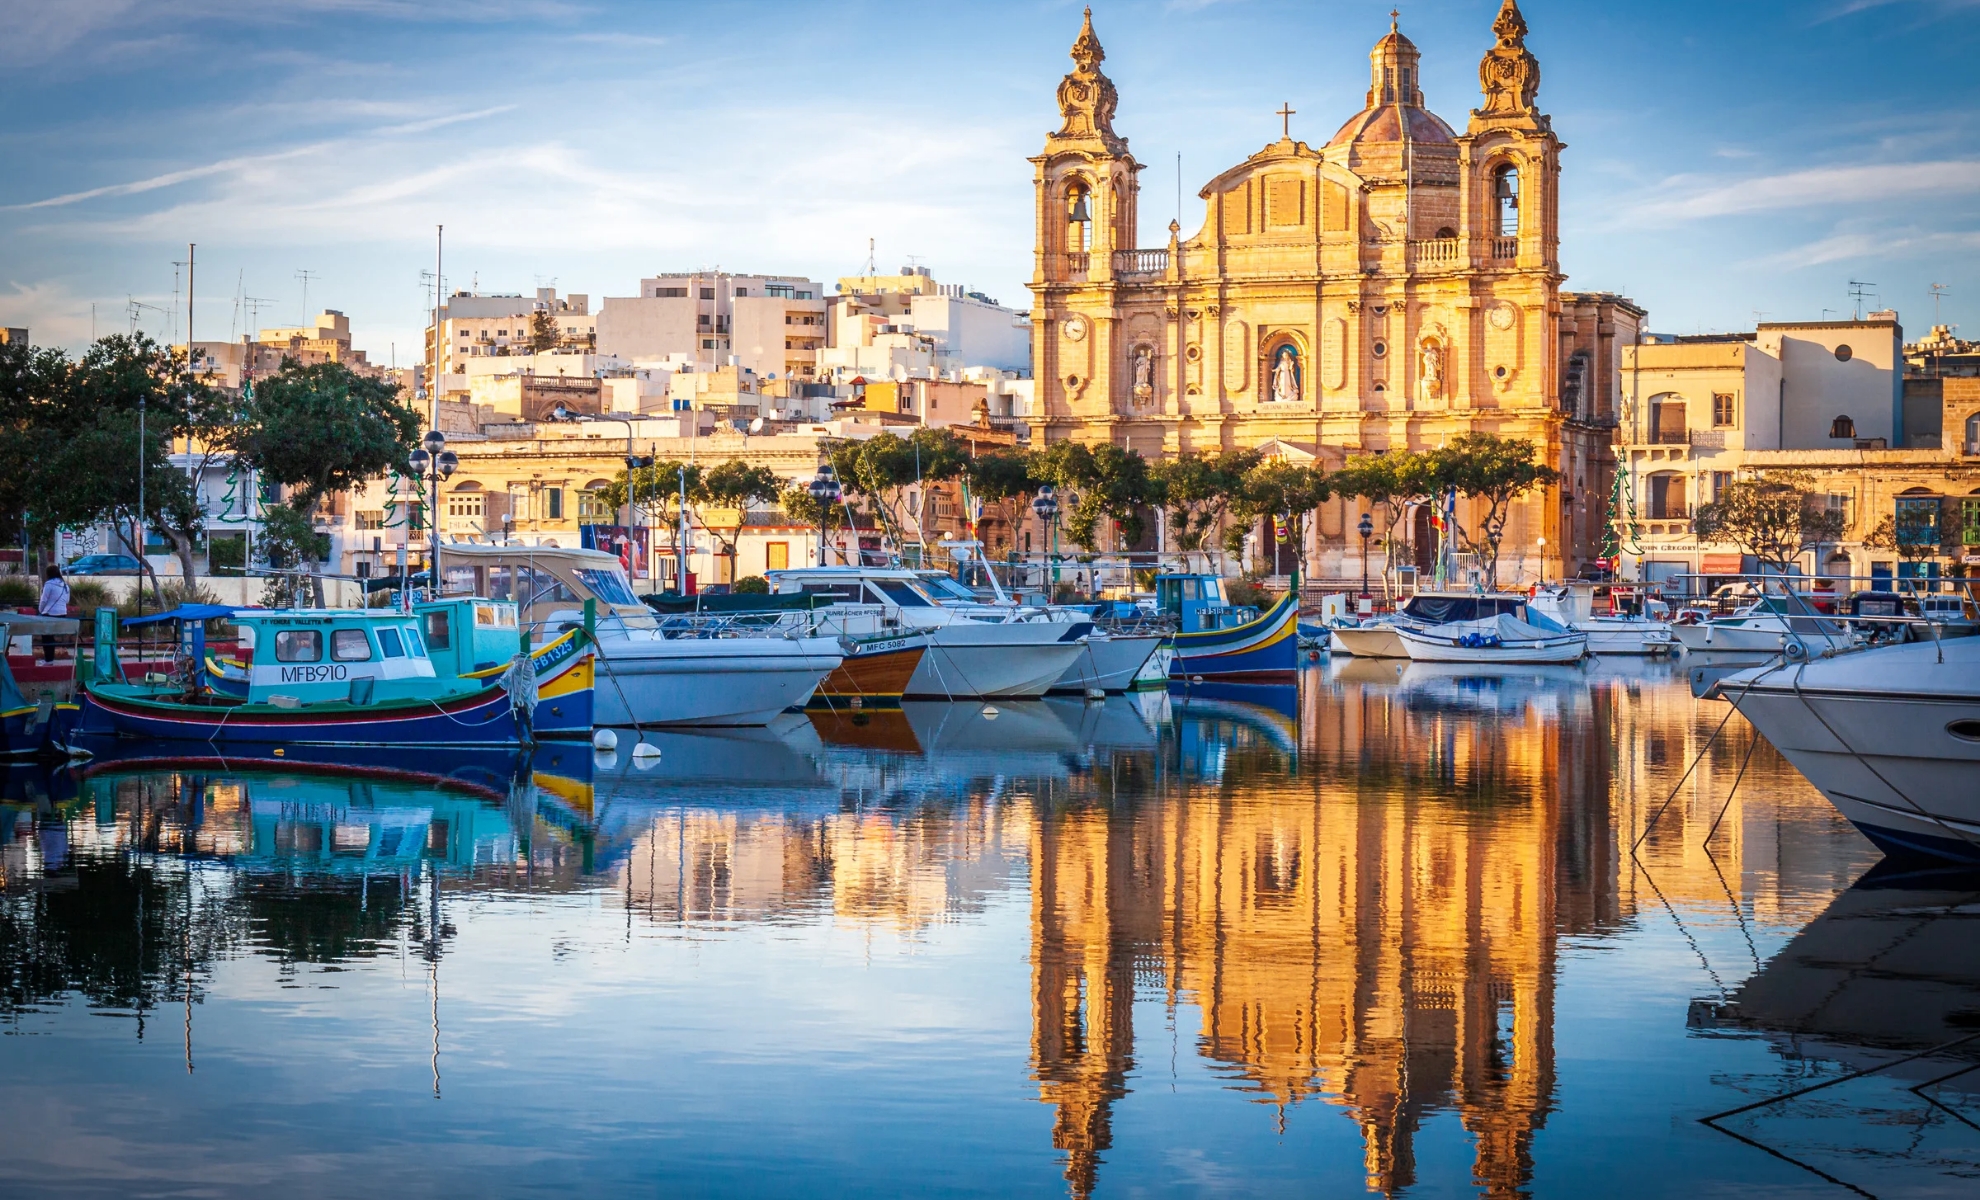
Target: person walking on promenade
54 603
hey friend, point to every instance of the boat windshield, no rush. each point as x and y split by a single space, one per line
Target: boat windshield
608 584
903 593
946 588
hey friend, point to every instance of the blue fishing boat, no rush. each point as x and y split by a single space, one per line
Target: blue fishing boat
1218 640
324 677
474 639
28 729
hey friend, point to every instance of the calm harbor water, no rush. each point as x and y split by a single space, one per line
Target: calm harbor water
1383 932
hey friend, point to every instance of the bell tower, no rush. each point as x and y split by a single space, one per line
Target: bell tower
1086 190
1513 166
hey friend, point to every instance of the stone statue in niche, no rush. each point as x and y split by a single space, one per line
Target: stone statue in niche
1144 373
1285 374
1432 373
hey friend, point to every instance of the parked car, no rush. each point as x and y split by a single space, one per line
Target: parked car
104 564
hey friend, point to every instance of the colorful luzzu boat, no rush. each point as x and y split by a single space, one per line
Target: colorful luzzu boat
28 729
1217 640
366 677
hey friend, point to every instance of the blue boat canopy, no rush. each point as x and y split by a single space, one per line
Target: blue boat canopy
189 612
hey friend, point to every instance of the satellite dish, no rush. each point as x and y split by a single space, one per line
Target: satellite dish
756 426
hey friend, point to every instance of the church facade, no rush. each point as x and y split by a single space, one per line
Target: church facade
1391 289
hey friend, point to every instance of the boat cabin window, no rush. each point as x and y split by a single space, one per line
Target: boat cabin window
436 631
900 592
350 645
1189 589
538 586
846 593
608 584
499 585
388 642
299 645
412 643
459 580
494 616
1212 592
947 588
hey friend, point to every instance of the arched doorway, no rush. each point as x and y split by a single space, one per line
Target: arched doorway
1422 539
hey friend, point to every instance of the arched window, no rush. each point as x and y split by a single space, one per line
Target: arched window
1973 434
1079 219
1842 427
1668 422
1666 494
1505 199
1446 232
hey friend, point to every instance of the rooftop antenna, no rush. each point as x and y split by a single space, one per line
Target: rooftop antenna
305 276
172 324
871 268
1857 291
240 290
190 247
254 305
1939 291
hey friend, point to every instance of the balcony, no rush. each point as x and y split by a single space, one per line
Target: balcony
1708 439
1434 253
1674 437
1505 248
1078 263
1141 262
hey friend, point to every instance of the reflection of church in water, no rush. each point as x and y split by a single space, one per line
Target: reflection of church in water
1375 930
1393 288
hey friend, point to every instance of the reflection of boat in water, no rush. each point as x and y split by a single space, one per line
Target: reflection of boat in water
1503 688
971 738
1887 970
1212 718
333 820
1368 670
488 770
1117 723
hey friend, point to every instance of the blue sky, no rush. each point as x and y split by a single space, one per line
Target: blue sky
1724 159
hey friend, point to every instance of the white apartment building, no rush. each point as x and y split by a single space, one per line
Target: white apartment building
1700 411
771 325
476 327
909 326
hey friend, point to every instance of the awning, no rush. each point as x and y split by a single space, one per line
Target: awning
1721 564
189 612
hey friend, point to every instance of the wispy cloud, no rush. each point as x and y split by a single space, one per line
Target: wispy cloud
248 163
1689 198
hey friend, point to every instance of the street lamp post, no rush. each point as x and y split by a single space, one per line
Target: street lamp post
1367 530
1046 505
633 462
824 493
433 461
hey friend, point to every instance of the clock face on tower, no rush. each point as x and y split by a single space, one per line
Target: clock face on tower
1501 315
1075 328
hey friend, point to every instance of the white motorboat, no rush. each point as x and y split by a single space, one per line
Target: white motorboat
1112 657
974 652
1572 605
682 672
1762 627
1890 735
1377 637
1500 639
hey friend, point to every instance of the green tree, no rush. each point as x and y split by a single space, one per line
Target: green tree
1286 490
1390 482
1100 482
1495 471
1005 477
659 495
71 455
1913 532
1774 516
799 506
542 331
1199 489
734 484
290 539
322 428
882 468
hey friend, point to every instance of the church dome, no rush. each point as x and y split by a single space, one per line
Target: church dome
1394 109
1385 124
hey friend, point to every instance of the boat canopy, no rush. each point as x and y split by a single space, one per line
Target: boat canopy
189 612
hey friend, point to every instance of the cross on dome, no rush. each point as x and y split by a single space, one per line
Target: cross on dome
1286 111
